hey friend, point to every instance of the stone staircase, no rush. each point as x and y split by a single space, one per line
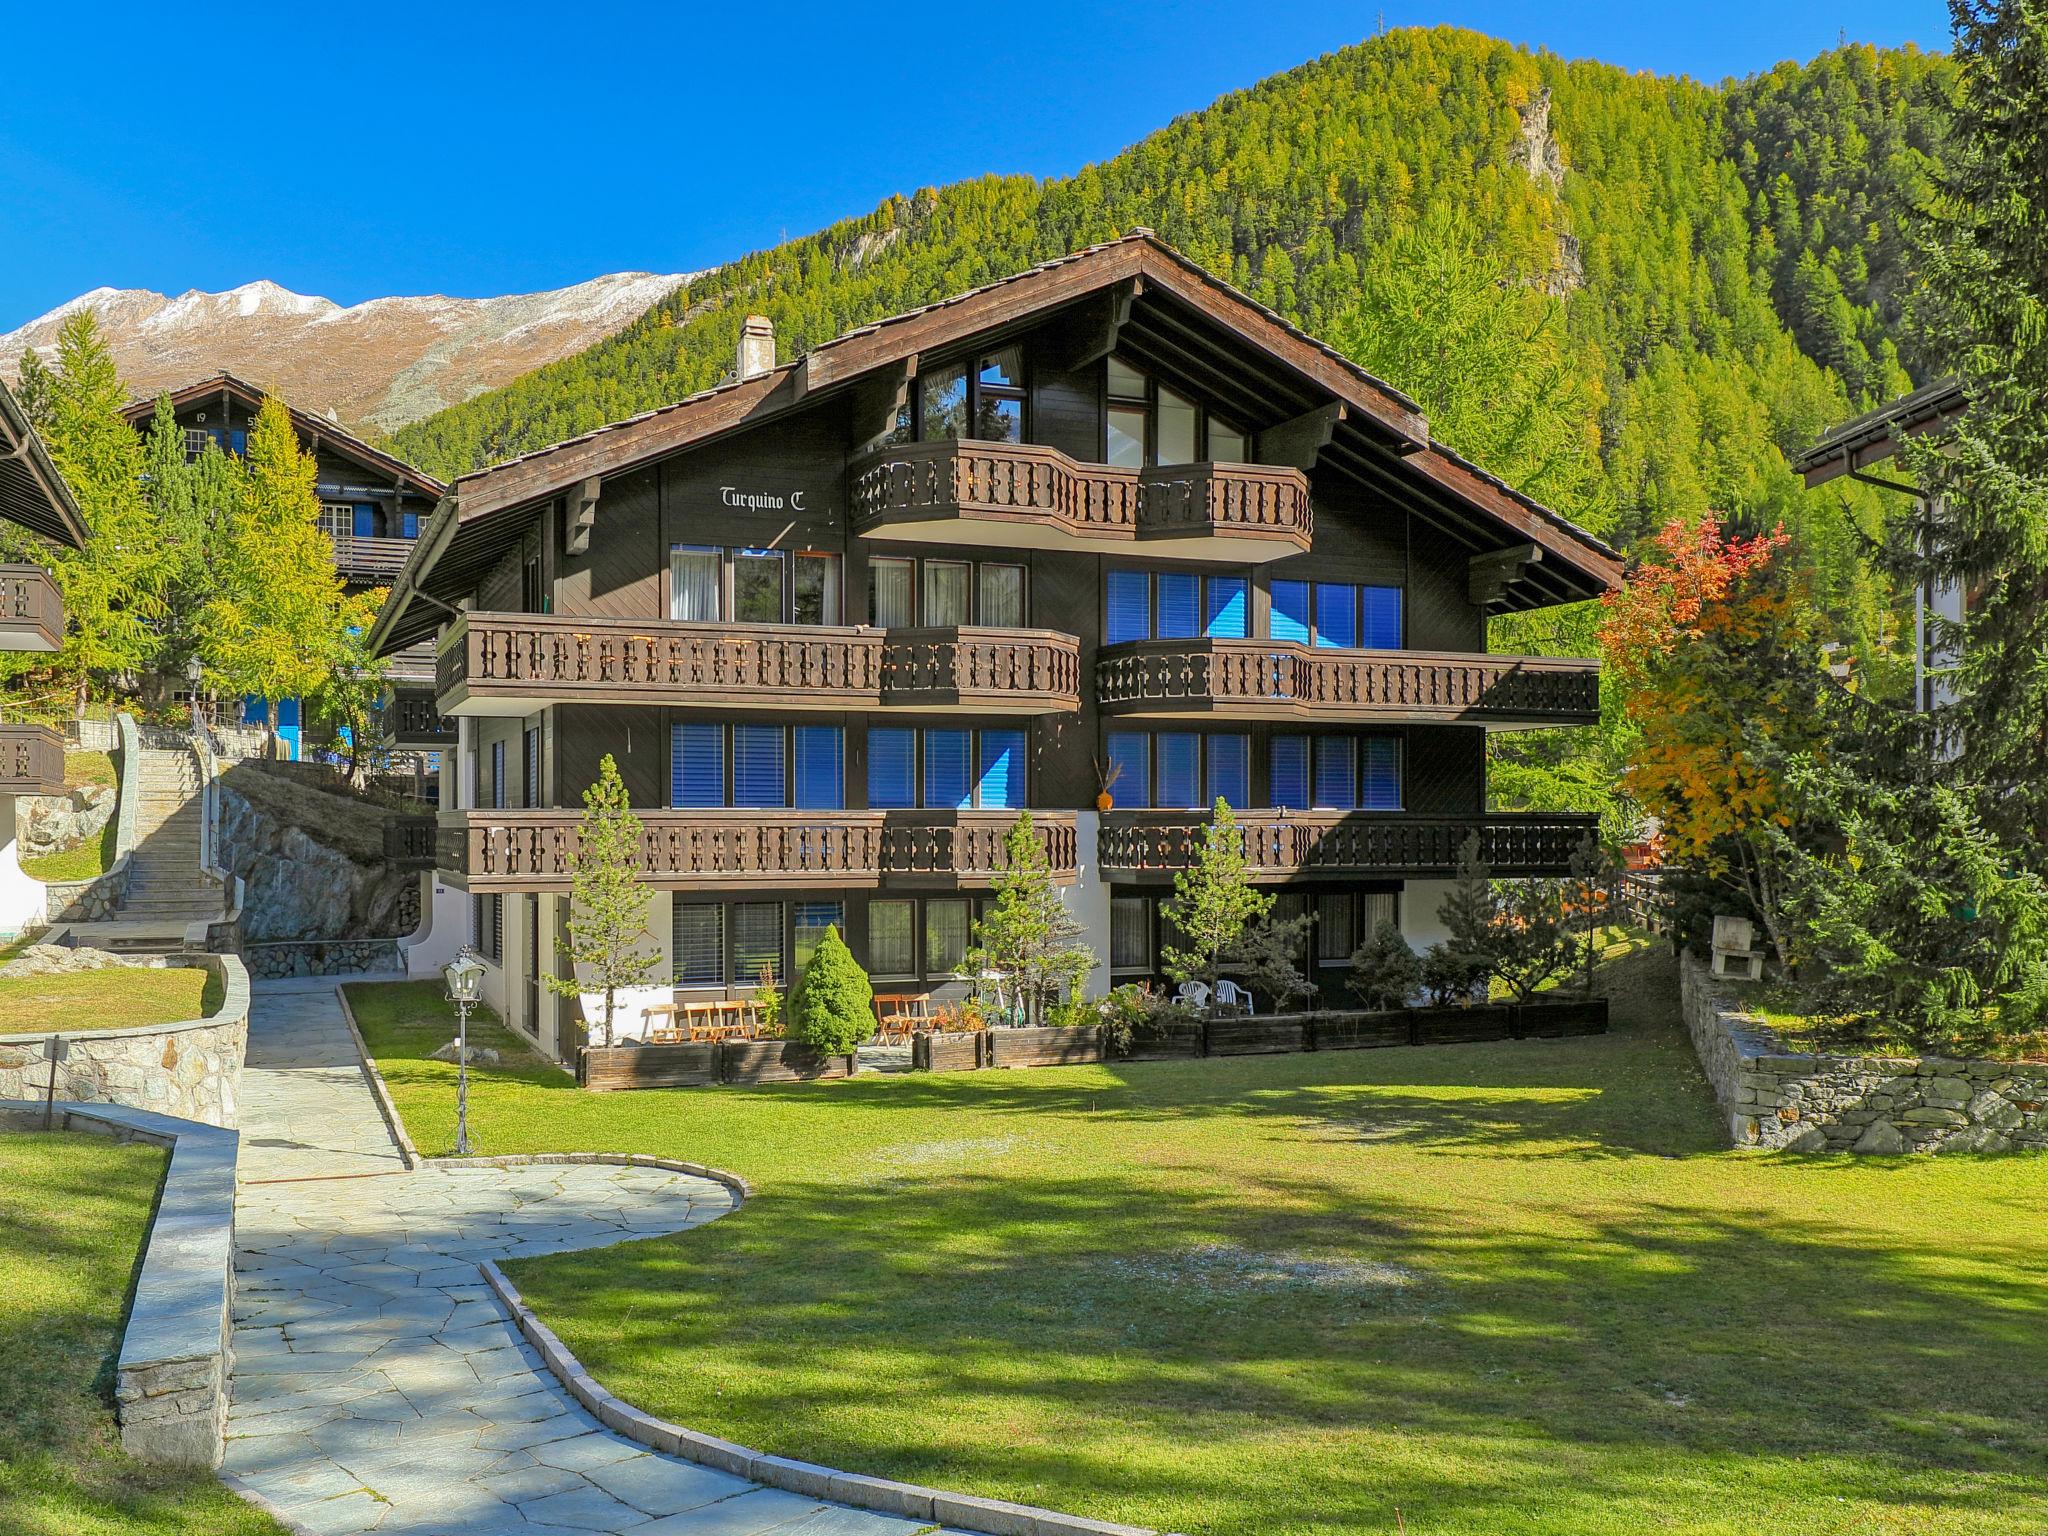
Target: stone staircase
165 887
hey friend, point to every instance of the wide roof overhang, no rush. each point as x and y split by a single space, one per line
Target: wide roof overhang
32 492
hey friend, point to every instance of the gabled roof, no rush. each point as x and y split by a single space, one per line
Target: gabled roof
1875 435
32 493
316 429
1180 316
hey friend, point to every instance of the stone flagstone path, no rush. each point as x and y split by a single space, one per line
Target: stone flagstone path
378 1385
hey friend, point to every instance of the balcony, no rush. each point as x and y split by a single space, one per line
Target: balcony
513 663
362 557
755 849
31 612
31 760
1285 679
1307 845
414 720
1029 496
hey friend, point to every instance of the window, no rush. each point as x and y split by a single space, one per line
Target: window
1226 443
1349 772
811 919
756 942
1176 429
1130 933
942 403
1346 614
962 768
699 946
891 597
1290 611
1129 442
1336 787
946 924
1180 604
1226 611
1229 771
693 583
1127 605
1380 763
1336 614
769 765
1180 770
533 595
757 586
1380 627
1130 762
892 938
196 439
1178 755
819 755
1287 761
815 597
365 522
1336 925
985 401
498 775
1001 595
697 765
757 766
1172 605
1147 423
945 592
529 795
1001 785
946 760
892 768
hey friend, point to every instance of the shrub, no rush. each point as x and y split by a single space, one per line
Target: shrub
1384 970
833 1008
1073 1014
1123 1014
768 1002
1449 974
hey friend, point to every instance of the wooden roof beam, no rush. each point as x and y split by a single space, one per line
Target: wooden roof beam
877 401
1088 333
1301 441
1488 576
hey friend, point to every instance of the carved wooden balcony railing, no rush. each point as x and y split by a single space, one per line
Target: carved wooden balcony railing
411 841
31 612
1027 491
681 849
1281 845
1282 679
370 557
415 720
496 658
31 760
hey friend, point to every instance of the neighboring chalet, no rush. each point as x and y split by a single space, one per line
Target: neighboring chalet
1105 539
1872 438
372 505
33 496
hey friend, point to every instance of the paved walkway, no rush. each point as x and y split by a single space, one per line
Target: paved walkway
378 1385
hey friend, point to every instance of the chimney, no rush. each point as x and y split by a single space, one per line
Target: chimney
757 347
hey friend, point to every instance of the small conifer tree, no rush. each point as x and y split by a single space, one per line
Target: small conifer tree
833 1008
1384 971
1213 900
607 906
1028 934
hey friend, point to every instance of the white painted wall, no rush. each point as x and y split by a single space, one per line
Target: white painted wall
23 904
1088 897
1419 922
443 929
628 1020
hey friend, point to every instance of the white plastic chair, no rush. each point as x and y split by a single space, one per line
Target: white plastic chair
1230 995
1195 994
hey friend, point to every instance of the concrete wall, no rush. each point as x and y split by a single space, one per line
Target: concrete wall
1775 1097
23 906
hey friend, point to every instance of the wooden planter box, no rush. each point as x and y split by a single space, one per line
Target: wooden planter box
1360 1031
1180 1042
1459 1026
647 1066
1045 1047
777 1061
1254 1036
1567 1016
949 1052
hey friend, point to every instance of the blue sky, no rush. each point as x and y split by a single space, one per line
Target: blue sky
369 149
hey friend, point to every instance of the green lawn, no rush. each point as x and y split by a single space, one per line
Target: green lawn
1517 1288
95 856
124 997
73 1210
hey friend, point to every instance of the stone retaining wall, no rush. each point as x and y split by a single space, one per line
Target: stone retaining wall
171 1382
191 1070
323 957
1778 1097
97 900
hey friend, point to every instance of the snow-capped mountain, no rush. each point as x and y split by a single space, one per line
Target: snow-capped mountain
381 363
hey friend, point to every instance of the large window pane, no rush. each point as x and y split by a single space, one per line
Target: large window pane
696 765
820 782
1180 769
1336 927
1382 631
892 938
1130 763
1290 610
1176 429
757 772
892 768
1229 771
947 782
1375 908
1001 785
1127 605
943 394
945 592
1126 446
1001 596
945 935
1382 774
1226 443
1180 604
1336 773
693 585
1125 382
816 600
1287 757
1226 615
699 944
809 922
756 942
1130 933
999 419
891 595
757 586
1336 613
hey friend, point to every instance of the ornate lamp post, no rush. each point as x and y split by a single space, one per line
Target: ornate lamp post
465 975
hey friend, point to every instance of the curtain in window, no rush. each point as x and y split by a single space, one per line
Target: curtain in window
756 942
948 783
1127 601
696 765
1002 595
1130 933
699 944
757 766
1227 613
1287 757
892 938
693 585
945 592
1180 769
1375 908
816 599
1336 773
1290 610
1382 618
810 921
1336 613
1229 771
1335 927
1382 779
892 768
945 935
1180 603
1001 786
1130 759
890 584
820 762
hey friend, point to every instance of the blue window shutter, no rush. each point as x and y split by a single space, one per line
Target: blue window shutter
1229 771
1180 769
757 773
1130 752
1290 610
1382 773
1382 618
1336 613
892 768
364 522
947 785
1288 759
1336 773
820 780
1227 615
696 765
1002 770
1128 604
1180 602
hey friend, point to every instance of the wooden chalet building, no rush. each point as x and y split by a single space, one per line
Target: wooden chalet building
33 496
839 619
372 505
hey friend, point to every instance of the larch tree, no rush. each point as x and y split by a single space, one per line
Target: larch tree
608 930
195 503
347 696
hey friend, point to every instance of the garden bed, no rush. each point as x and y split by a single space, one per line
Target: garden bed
949 1052
1072 1046
700 1063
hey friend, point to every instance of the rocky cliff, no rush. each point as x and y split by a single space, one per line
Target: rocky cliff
301 886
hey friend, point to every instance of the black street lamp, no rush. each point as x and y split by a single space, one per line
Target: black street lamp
465 975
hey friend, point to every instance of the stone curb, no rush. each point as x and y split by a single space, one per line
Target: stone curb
407 1152
234 1005
992 1517
249 1495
